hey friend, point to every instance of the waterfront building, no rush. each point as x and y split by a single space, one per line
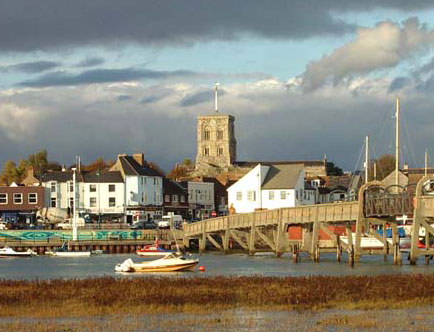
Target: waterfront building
175 198
200 198
271 186
18 203
143 187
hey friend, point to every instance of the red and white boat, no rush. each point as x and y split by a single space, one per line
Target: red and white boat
153 250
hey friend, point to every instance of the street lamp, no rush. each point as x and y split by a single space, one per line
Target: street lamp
99 203
74 215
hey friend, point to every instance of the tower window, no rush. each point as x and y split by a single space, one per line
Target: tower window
220 134
207 135
206 151
219 151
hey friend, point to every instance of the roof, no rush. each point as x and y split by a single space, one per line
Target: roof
282 162
103 177
132 168
170 186
282 176
59 176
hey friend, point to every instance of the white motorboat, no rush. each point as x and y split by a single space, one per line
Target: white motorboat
170 263
9 252
66 253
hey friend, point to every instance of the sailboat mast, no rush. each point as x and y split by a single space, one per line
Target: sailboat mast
367 159
397 143
426 162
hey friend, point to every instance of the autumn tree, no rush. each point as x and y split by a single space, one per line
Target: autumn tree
385 166
98 165
9 173
181 170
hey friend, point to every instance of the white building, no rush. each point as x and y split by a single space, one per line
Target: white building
97 193
200 198
271 186
143 186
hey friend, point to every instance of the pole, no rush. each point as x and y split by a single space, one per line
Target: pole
426 162
74 215
259 188
367 159
216 85
99 204
397 143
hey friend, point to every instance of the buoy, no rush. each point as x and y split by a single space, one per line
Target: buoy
202 268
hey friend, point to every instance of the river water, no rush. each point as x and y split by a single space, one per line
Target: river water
47 267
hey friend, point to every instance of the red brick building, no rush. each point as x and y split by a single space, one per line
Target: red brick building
20 203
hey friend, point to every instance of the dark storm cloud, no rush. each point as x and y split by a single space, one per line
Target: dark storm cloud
30 67
44 24
102 76
91 62
199 97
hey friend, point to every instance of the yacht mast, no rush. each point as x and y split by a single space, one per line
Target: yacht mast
397 143
367 159
426 162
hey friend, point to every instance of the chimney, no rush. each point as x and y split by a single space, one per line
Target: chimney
139 158
30 172
405 167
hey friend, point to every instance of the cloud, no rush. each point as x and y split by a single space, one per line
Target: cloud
61 78
30 67
398 83
91 62
270 121
124 98
53 24
384 46
199 97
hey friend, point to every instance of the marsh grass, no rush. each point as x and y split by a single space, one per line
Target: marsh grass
135 296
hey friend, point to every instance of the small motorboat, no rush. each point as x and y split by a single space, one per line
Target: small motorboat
64 252
172 262
153 250
9 252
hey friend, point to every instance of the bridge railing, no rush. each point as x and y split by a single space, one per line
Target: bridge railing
329 212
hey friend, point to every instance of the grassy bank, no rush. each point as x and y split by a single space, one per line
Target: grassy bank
108 296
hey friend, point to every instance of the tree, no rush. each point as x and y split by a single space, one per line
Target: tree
98 165
155 167
332 169
9 173
385 166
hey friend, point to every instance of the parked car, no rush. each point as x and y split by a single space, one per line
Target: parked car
3 226
143 225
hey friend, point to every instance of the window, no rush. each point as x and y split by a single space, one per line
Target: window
251 195
167 198
206 151
112 188
143 180
175 198
53 187
304 194
271 195
296 194
220 134
112 201
53 202
182 199
92 202
33 198
143 197
220 151
207 135
283 194
3 199
239 196
71 187
158 198
155 181
18 198
71 202
92 188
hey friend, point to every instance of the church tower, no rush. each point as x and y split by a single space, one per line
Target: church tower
216 144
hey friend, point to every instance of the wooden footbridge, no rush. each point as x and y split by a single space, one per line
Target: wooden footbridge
376 208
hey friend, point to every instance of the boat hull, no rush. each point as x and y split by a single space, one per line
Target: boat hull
183 267
152 253
69 253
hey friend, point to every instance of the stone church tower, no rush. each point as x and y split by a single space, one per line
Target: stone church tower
216 144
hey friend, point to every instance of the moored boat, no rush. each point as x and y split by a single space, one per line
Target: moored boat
153 250
9 252
169 263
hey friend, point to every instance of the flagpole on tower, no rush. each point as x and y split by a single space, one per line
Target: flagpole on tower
216 85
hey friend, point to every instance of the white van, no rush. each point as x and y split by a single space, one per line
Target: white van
175 220
68 223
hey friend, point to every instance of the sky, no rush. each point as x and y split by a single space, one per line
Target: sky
303 78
